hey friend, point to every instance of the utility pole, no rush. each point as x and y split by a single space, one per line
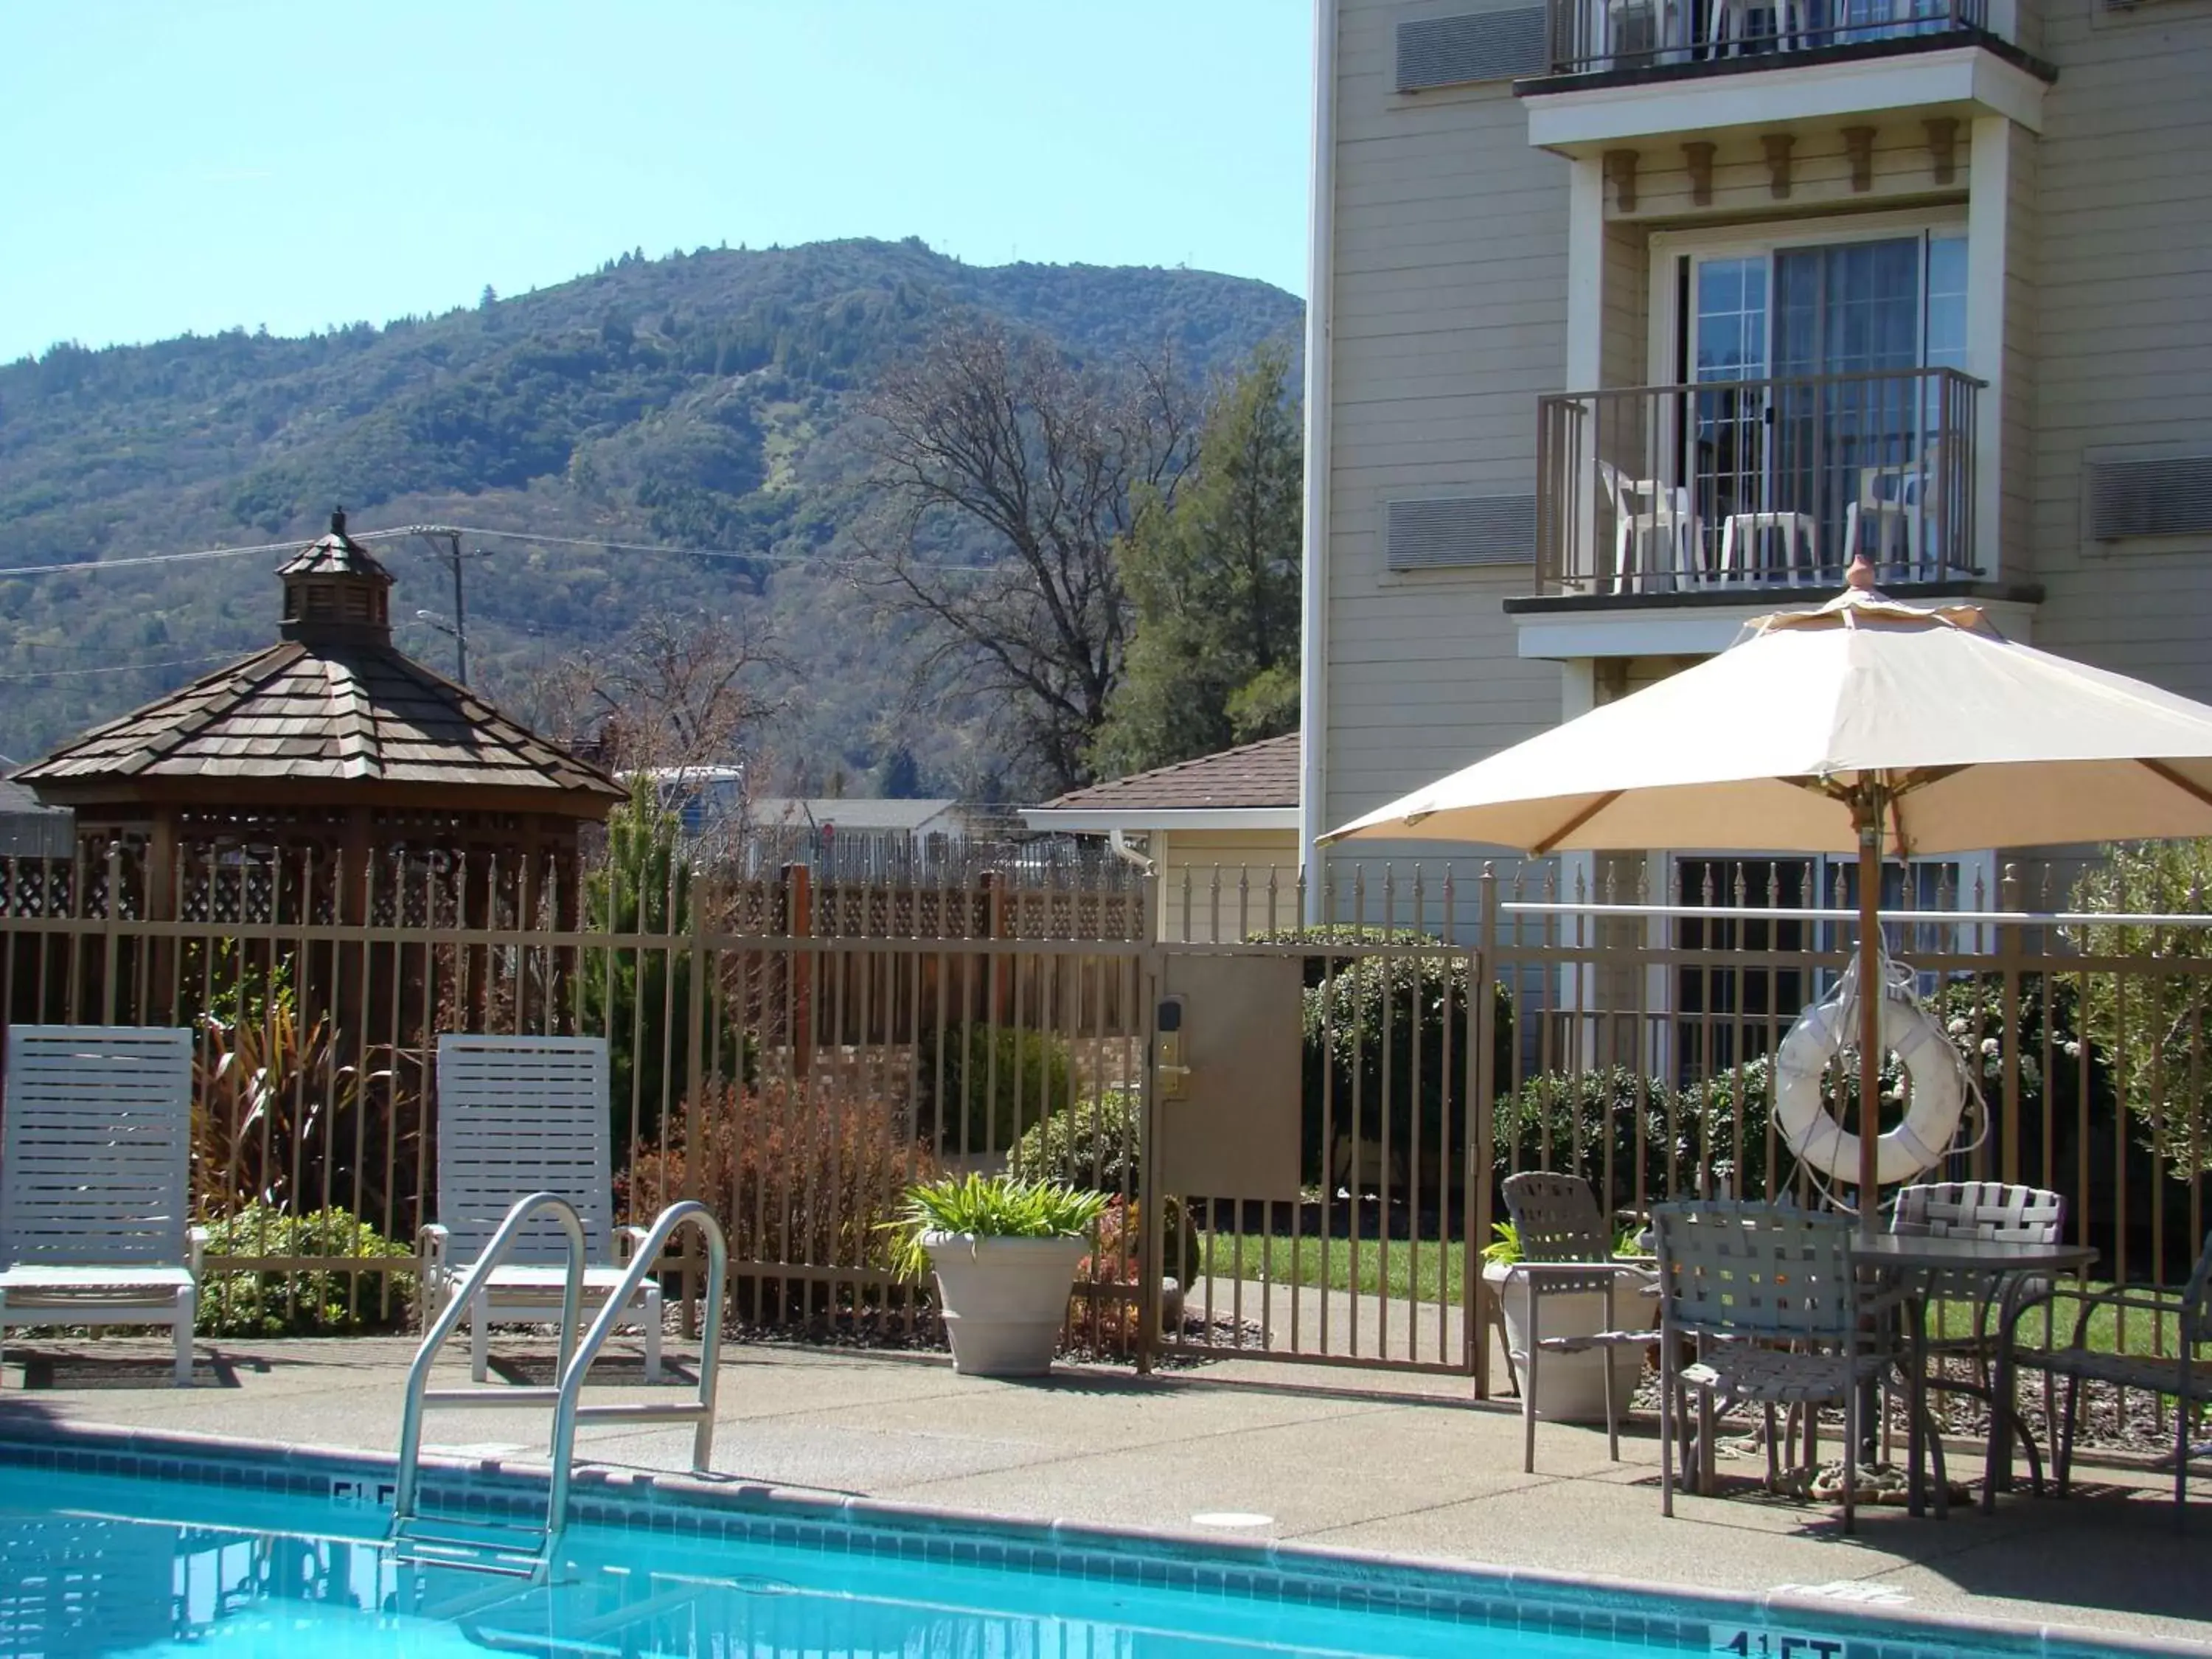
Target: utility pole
448 541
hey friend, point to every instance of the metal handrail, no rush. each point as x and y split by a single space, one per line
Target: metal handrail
523 1211
568 1410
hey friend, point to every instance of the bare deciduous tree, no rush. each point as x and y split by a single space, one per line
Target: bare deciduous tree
676 690
998 432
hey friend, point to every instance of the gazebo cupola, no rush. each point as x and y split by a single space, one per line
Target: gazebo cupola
335 594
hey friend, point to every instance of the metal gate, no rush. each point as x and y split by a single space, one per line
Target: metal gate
1311 1115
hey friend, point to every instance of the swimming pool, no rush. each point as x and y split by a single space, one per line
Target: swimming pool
120 1545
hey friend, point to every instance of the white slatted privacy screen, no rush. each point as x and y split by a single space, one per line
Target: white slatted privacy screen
518 1115
1444 532
1471 46
2165 495
97 1164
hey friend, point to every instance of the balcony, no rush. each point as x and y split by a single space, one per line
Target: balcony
1632 72
1595 36
1732 489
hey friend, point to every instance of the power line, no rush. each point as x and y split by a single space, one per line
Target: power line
668 549
150 558
121 667
663 547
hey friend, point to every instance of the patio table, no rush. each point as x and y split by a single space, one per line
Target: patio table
2007 1268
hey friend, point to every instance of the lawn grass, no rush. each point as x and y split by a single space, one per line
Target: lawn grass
1391 1266
1383 1265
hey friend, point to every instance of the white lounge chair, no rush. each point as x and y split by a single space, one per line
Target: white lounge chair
96 1180
516 1115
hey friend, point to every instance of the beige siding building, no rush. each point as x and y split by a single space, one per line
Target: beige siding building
1631 319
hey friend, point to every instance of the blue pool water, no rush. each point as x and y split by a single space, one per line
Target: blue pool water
105 1565
292 1564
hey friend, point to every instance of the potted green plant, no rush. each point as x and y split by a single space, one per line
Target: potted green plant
1570 1387
1005 1251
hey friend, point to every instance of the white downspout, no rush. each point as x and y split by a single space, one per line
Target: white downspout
1320 269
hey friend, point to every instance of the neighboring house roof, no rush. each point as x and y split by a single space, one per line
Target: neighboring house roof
14 797
857 812
1253 786
298 716
31 830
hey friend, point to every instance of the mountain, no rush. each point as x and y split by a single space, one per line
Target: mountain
705 400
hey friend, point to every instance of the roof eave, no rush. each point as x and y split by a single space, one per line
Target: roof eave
1099 821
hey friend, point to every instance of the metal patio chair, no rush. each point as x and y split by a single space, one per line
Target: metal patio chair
1780 1313
2184 1377
96 1180
1565 1251
516 1115
1980 1209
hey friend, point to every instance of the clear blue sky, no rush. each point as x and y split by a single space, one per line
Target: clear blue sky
203 164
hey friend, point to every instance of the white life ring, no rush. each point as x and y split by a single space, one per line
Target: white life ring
1939 1094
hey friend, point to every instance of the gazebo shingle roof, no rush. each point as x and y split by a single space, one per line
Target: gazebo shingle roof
293 714
333 712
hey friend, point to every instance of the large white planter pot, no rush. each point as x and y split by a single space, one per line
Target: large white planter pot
1004 1299
1571 1386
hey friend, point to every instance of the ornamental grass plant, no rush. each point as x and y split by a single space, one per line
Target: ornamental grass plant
990 1206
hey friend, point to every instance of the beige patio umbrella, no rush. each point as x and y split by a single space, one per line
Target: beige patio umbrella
1823 731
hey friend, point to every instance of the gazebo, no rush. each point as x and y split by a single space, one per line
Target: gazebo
329 778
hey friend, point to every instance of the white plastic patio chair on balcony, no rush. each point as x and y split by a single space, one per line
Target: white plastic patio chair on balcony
96 1181
1771 1298
1655 532
1897 500
516 1115
1565 1252
2183 1376
1797 534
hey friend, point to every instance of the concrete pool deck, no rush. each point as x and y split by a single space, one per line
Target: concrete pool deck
1328 1457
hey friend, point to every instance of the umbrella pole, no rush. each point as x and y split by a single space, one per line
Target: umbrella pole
1871 991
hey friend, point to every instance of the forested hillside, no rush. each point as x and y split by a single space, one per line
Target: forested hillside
708 399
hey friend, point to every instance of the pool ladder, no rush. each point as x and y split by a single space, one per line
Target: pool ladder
525 1550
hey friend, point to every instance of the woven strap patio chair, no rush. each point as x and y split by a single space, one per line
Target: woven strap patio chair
1565 1252
2184 1376
1990 1210
1782 1317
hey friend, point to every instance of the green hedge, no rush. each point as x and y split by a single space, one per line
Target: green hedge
305 1303
997 1083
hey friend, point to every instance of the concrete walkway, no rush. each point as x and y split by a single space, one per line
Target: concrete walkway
1319 1456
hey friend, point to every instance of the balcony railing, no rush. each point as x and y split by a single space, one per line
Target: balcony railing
1754 484
1589 35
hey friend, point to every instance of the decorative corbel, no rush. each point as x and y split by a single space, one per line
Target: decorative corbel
1700 155
1777 146
1858 144
1621 173
1943 146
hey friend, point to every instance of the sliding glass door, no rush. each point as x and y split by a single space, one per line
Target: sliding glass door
1810 351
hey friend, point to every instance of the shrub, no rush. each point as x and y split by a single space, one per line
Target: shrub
300 1302
996 1080
792 1175
1093 1142
1586 1123
1365 1014
2157 1024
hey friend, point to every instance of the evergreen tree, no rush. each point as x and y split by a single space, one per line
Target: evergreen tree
1214 577
642 887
